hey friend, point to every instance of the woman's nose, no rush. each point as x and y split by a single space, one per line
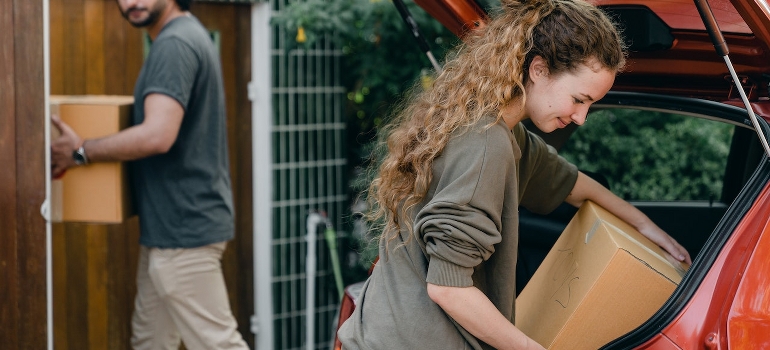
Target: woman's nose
579 117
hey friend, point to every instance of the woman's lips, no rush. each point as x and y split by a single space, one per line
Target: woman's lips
561 123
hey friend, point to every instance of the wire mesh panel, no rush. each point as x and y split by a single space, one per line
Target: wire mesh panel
308 176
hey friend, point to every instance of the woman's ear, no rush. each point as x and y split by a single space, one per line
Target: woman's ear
538 69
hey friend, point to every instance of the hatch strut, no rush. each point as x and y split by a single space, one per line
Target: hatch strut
721 46
412 24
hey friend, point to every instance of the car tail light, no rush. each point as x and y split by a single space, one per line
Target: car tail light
346 309
348 304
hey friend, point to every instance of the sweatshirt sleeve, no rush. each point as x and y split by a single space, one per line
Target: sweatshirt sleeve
461 223
172 70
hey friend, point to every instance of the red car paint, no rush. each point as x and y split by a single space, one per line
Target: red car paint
731 295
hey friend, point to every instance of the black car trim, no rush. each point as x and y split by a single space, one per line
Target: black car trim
643 29
683 105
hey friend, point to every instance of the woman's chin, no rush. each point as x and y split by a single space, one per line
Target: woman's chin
546 128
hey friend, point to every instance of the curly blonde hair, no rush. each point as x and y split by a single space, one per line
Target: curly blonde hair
482 75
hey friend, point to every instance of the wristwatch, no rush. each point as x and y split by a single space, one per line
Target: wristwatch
79 155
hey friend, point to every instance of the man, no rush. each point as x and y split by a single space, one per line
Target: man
180 177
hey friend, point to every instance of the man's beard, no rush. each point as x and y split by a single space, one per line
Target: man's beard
152 15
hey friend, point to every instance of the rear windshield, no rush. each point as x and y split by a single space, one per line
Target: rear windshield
653 156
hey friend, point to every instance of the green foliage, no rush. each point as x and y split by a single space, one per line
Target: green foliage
381 60
381 57
653 156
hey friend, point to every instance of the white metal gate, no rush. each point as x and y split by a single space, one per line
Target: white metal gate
299 168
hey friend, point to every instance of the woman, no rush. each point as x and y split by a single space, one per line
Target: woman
459 164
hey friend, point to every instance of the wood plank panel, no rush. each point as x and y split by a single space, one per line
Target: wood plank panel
242 174
30 172
9 295
94 292
97 268
75 290
122 262
115 57
134 53
56 12
73 54
60 278
94 46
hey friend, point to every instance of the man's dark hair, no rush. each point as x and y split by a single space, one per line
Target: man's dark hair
184 5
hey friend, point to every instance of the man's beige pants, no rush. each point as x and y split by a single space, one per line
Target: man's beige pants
181 295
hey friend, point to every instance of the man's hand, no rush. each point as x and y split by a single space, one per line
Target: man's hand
62 147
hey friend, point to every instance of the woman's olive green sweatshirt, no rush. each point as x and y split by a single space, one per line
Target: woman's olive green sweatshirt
465 233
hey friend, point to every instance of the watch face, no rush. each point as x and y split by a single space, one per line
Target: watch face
79 157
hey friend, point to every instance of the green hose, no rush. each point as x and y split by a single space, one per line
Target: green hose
331 241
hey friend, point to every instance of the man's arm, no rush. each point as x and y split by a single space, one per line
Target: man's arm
156 135
587 188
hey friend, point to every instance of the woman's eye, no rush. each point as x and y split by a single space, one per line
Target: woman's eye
577 100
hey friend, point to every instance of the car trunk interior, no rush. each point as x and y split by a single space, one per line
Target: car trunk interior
690 222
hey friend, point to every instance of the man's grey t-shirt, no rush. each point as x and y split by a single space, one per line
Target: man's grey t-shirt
184 196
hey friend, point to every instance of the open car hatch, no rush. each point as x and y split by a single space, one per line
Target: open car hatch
663 35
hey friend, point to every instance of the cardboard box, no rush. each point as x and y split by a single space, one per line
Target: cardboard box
98 192
601 280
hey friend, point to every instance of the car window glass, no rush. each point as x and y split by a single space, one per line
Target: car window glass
652 156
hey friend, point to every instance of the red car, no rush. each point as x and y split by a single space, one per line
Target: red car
717 203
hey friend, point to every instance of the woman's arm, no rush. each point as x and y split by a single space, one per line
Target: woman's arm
587 188
469 307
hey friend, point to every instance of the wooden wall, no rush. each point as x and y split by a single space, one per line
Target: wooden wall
95 51
22 177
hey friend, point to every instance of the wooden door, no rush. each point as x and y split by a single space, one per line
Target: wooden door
22 177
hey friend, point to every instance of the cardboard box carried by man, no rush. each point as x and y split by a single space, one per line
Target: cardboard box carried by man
96 193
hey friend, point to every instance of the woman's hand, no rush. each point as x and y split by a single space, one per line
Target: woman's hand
662 239
587 188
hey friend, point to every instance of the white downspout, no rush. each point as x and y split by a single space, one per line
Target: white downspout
313 220
45 208
261 143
